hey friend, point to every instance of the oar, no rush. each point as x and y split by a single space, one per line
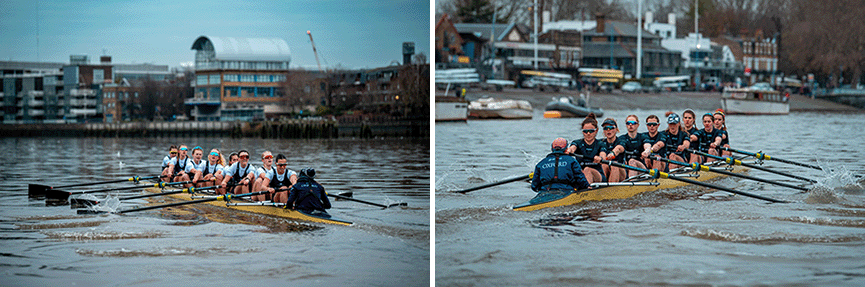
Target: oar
660 174
226 197
60 197
762 156
522 177
698 167
367 202
82 203
731 161
38 190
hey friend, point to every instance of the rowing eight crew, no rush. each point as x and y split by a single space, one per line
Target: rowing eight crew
239 176
636 149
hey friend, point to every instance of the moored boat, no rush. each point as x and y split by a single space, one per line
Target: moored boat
450 108
555 199
566 107
265 209
491 108
754 102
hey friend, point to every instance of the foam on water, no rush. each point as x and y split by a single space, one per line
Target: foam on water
773 238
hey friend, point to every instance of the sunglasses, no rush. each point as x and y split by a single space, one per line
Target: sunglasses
183 148
246 156
588 131
652 124
213 153
267 157
607 128
631 123
281 164
174 152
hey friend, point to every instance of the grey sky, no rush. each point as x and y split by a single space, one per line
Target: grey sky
352 34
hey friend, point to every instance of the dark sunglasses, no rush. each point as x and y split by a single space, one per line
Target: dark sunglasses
281 164
606 128
631 123
588 131
244 156
174 152
652 124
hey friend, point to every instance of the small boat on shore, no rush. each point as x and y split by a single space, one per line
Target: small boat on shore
567 107
755 102
451 109
491 108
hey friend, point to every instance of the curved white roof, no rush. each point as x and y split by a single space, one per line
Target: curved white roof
246 49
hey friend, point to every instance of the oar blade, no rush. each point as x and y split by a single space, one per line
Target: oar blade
54 197
81 203
90 211
37 191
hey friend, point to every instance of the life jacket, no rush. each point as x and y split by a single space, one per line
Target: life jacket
177 167
276 183
583 149
235 178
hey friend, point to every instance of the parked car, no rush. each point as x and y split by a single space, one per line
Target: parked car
632 87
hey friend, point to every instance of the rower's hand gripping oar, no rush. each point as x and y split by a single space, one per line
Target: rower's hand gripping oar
367 202
226 197
732 161
762 156
83 203
699 167
522 177
38 191
660 174
60 197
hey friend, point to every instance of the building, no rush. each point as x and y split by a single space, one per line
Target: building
236 78
759 57
613 45
448 41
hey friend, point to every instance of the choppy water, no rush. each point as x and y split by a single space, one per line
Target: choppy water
51 246
685 236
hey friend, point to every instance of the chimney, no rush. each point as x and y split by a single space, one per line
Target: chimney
600 19
671 19
649 16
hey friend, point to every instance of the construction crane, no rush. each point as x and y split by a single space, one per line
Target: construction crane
314 51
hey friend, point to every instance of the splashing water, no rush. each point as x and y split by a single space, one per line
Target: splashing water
109 204
839 178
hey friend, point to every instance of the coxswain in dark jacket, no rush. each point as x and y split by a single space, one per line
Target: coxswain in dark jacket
559 171
307 195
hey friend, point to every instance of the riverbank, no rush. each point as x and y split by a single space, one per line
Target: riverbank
698 101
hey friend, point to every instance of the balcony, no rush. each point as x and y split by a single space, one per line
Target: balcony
201 101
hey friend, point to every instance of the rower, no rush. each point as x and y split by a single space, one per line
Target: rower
590 147
172 153
558 172
616 151
178 166
655 142
196 165
307 195
688 118
212 170
261 172
278 181
708 139
232 158
239 175
633 144
678 140
720 122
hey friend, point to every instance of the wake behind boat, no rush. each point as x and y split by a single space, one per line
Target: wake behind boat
491 108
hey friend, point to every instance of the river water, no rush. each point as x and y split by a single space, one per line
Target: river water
683 236
51 246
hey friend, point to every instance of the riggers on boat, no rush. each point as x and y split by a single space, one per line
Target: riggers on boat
561 198
270 209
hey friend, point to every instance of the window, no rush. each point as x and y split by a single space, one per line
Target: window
263 92
201 80
214 79
247 92
231 77
247 78
214 93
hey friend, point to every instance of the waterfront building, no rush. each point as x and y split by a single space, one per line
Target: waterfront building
448 41
613 45
237 78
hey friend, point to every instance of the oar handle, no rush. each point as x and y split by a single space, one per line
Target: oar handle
522 177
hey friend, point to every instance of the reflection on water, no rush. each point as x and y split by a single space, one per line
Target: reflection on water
42 245
682 236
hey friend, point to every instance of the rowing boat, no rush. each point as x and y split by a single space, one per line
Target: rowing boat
554 198
268 209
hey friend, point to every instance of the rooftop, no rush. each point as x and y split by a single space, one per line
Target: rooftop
245 49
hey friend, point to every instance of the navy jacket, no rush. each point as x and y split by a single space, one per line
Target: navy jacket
307 195
567 176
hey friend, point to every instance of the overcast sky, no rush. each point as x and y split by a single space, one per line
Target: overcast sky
353 34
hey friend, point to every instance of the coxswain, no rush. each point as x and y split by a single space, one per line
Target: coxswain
720 122
616 151
707 139
633 142
239 176
172 153
277 181
591 150
558 171
655 143
307 195
177 168
212 170
688 118
678 140
261 172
